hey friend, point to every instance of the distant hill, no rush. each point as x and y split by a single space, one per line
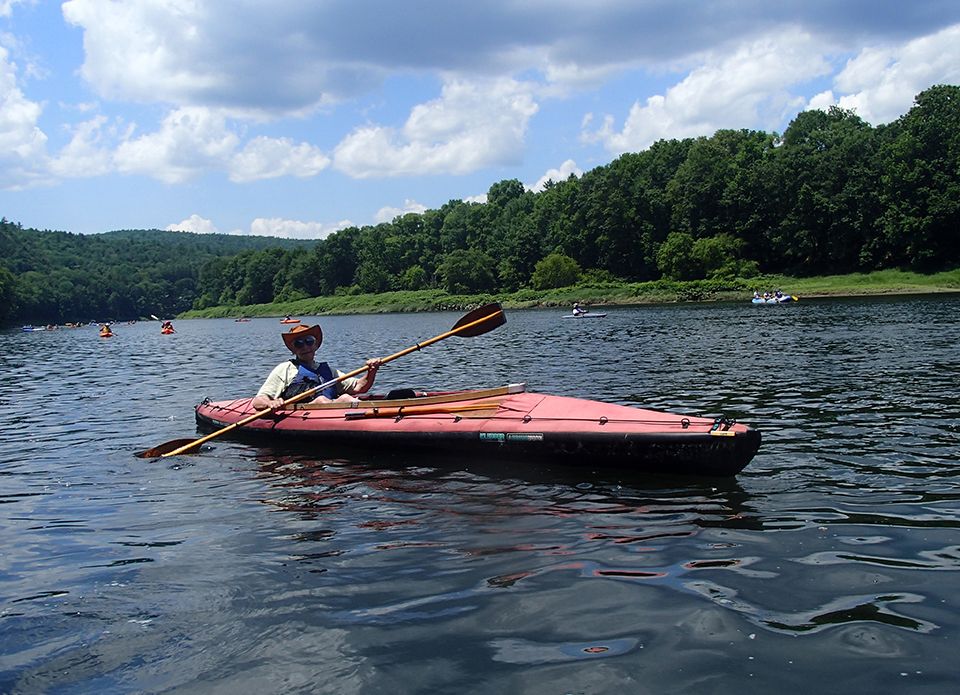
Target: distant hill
24 249
62 276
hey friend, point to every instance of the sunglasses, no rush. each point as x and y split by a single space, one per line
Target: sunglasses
300 342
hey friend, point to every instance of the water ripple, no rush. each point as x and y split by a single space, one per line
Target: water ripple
285 568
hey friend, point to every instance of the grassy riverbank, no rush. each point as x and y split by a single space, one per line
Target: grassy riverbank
603 294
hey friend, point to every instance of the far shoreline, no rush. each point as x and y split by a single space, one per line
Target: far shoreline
877 283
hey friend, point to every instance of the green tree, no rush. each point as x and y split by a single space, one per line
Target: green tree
501 193
302 277
8 290
921 184
556 270
260 272
675 257
372 277
467 270
414 278
829 195
337 258
720 257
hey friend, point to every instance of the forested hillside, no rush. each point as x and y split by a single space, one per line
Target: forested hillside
831 195
54 277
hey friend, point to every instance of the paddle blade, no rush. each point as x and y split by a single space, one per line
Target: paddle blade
486 318
165 448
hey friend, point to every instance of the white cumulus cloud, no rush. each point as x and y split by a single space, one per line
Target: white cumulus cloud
190 140
295 229
879 84
568 168
6 6
145 51
471 125
86 154
264 226
266 158
196 224
22 143
387 213
193 140
745 89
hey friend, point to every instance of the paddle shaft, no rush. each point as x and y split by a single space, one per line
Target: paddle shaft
309 392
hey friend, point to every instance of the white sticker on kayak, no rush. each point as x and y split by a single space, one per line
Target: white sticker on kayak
525 437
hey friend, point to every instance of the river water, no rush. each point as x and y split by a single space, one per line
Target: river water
829 563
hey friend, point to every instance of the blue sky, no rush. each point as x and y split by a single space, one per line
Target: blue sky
300 117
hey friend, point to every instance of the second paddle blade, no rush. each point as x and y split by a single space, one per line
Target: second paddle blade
165 448
490 316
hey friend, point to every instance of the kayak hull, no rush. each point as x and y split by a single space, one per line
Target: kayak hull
583 316
506 423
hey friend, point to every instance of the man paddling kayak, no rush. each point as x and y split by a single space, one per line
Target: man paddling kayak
303 372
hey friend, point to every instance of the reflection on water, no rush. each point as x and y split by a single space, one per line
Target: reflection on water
286 569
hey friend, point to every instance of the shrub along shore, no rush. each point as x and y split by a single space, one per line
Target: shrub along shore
884 282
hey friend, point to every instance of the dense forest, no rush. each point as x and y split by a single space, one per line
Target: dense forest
832 194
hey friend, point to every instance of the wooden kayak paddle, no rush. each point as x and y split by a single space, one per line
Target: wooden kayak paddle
477 322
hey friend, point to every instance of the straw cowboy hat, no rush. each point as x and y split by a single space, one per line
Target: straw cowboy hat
301 331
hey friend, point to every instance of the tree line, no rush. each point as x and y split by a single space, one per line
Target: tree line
832 194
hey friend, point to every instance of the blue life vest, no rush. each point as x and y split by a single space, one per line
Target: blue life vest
307 379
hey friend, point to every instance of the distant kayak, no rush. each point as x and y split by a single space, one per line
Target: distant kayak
289 320
785 299
31 329
167 331
241 320
583 316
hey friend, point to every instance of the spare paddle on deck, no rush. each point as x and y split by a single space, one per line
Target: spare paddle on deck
477 322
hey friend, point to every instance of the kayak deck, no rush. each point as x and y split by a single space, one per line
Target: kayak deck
508 422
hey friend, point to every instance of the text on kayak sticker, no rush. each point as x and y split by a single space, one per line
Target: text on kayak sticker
511 436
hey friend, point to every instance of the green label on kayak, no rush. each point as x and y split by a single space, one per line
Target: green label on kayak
492 436
511 437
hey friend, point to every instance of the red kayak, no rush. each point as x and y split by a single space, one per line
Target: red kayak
506 422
